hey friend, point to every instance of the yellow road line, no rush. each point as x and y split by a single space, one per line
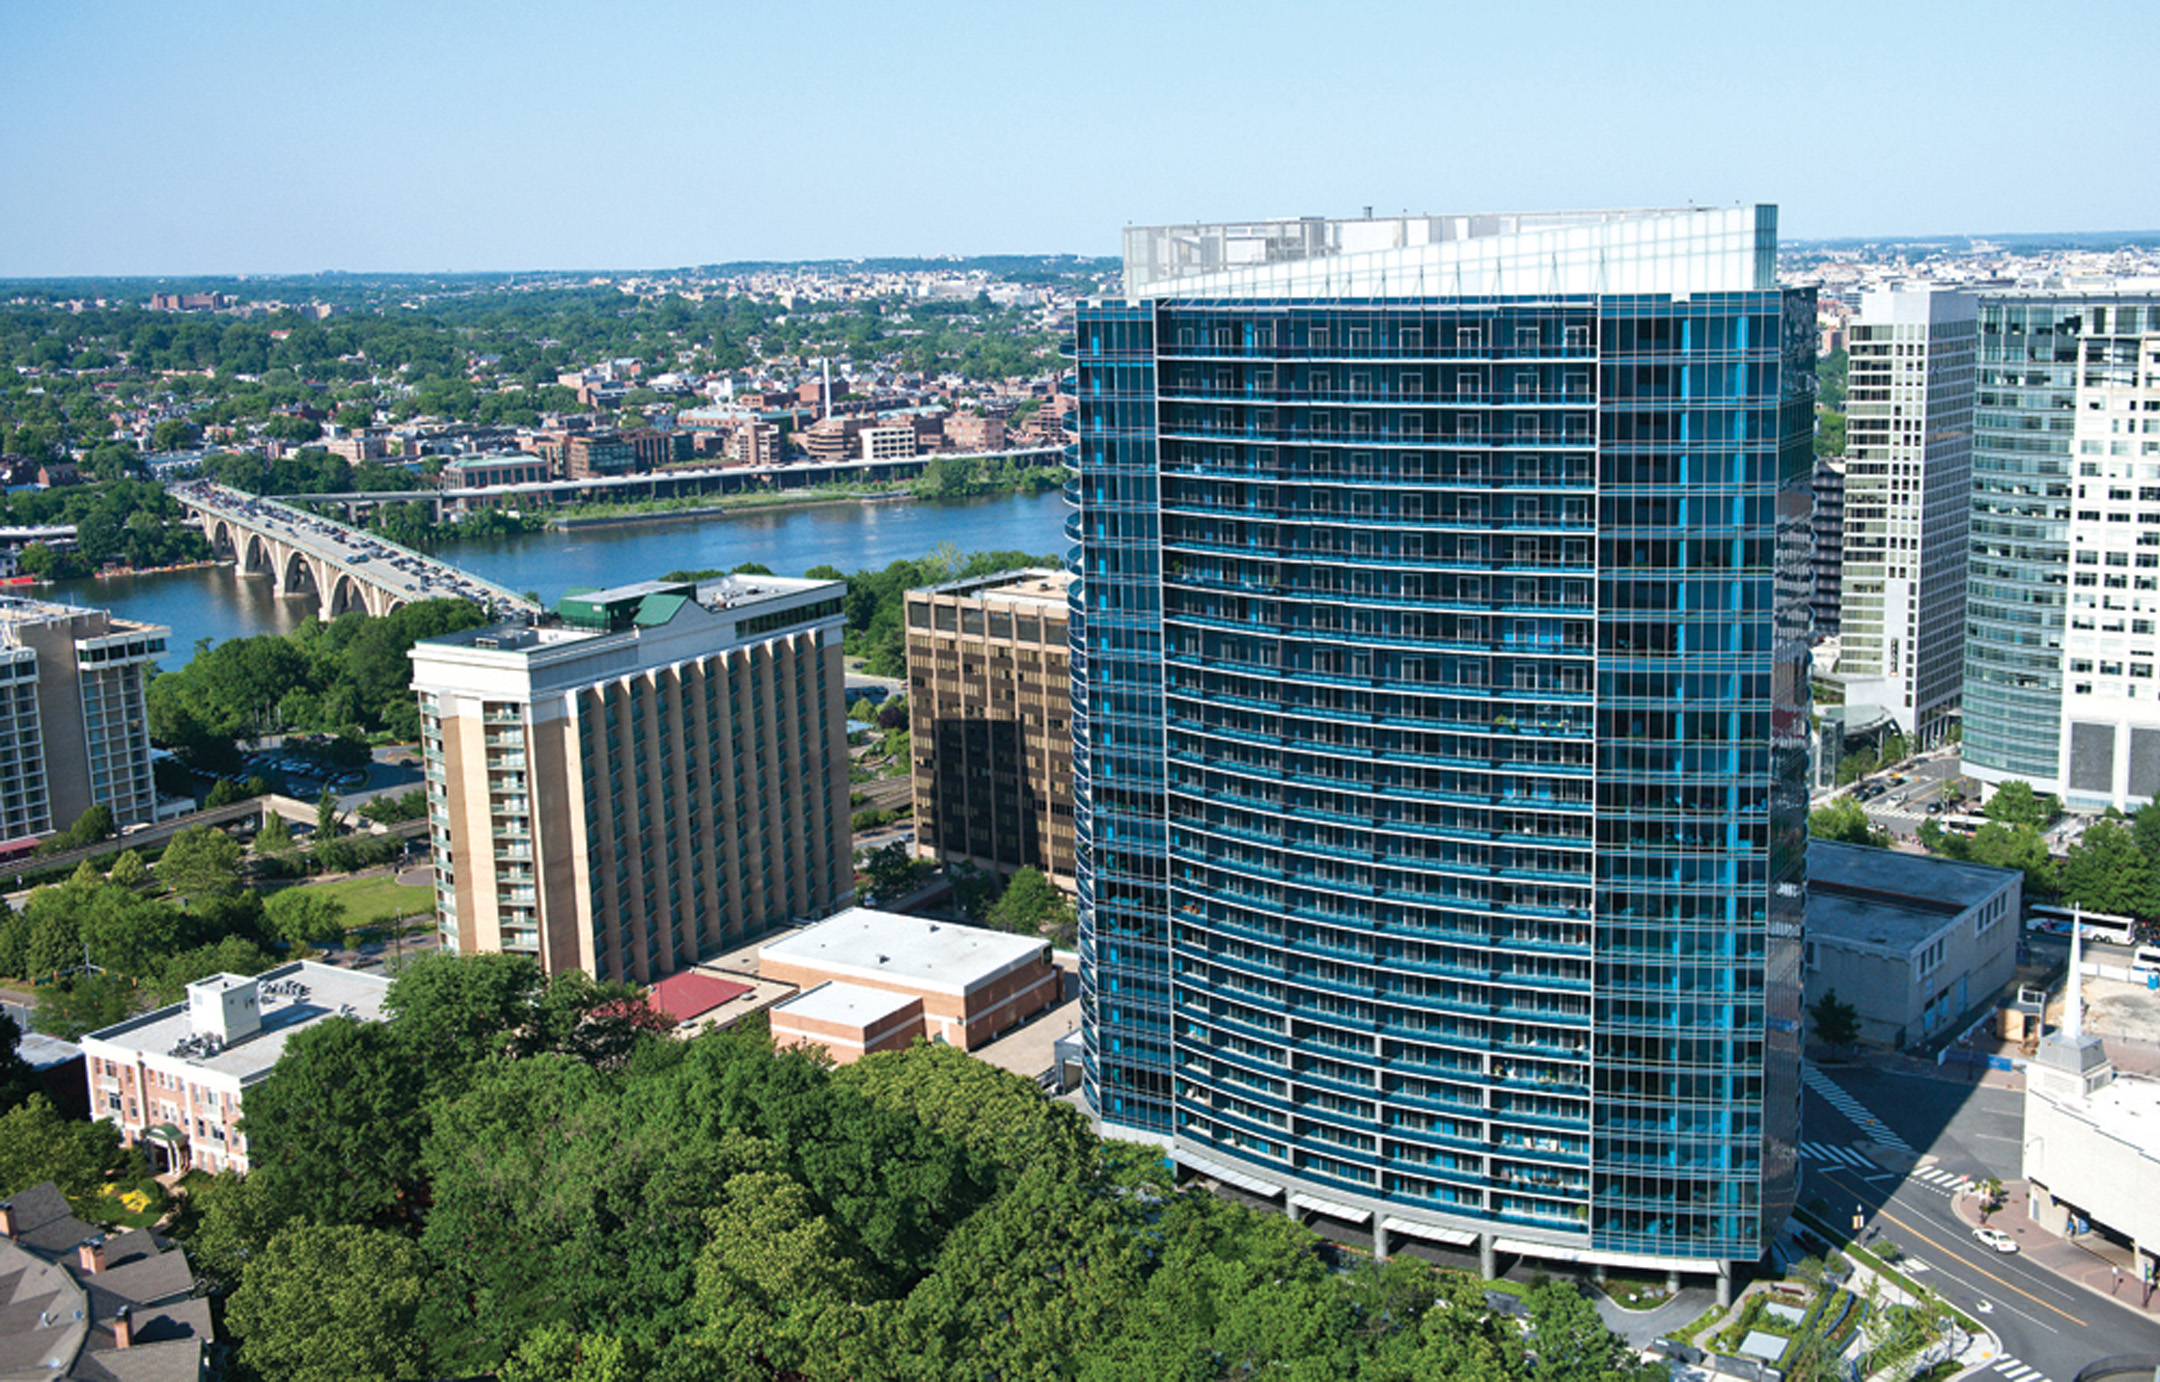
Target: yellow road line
1885 1213
1980 1269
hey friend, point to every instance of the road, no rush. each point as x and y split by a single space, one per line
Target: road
1901 809
2051 1327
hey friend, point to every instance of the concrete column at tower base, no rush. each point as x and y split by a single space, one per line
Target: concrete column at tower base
1488 1257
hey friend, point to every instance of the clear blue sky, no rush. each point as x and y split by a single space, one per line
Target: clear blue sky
162 138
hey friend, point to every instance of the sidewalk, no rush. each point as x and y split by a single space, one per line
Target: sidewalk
2090 1262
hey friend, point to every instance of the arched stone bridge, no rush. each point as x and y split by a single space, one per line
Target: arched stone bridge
345 568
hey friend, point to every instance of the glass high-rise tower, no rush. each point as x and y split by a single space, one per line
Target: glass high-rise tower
2064 595
1439 689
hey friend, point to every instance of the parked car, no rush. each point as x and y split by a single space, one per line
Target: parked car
1995 1238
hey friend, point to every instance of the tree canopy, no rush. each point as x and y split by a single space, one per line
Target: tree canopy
583 1210
349 675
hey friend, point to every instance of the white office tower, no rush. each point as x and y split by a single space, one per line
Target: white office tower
1908 504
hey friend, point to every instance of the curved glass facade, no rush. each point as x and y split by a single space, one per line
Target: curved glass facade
1443 811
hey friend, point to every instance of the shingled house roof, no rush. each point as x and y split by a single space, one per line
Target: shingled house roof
77 1303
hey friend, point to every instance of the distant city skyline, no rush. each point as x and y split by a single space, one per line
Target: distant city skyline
390 137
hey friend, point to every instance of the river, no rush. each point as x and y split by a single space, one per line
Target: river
216 603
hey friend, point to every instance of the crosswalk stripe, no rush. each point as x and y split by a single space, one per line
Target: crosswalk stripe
1852 1108
2016 1371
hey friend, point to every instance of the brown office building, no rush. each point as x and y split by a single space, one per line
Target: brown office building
989 696
657 773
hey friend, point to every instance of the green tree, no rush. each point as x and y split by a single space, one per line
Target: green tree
1570 1342
40 560
773 1274
1845 821
1829 432
2015 847
275 839
1028 1282
90 827
892 873
306 916
336 1129
233 954
2016 803
333 1303
129 871
996 1114
17 1080
2105 871
606 1195
559 1353
201 862
38 1143
1837 1022
231 1219
1031 905
83 1003
1856 765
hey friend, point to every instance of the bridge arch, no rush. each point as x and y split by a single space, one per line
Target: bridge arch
258 560
347 593
221 540
299 576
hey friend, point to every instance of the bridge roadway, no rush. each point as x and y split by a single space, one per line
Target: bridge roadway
672 483
346 568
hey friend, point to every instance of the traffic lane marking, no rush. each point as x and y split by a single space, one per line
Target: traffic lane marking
1884 1211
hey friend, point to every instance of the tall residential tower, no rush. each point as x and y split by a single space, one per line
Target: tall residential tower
1440 712
74 731
655 773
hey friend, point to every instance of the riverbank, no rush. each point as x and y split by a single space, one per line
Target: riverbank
27 582
115 572
655 511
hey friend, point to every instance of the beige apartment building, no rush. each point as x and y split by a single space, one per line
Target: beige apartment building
73 729
652 774
989 692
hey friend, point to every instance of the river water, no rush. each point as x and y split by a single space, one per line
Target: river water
216 603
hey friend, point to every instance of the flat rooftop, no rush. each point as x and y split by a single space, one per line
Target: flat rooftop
2126 1108
582 618
328 992
1863 895
1033 585
885 946
1924 880
849 1005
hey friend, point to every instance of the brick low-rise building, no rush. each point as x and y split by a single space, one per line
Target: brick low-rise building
175 1079
876 980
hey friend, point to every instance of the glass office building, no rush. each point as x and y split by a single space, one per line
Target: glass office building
2064 574
1439 663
